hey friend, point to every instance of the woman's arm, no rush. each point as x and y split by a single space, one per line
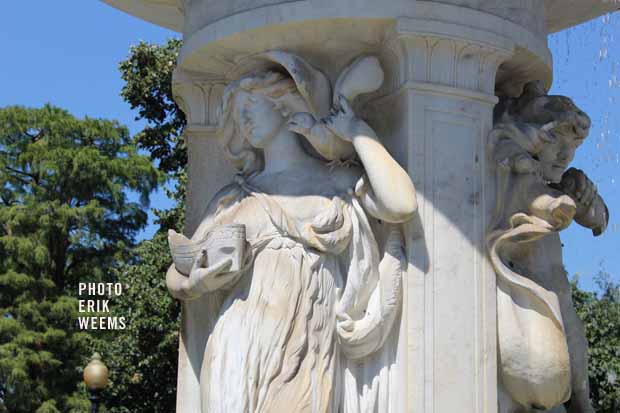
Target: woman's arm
391 194
178 285
322 139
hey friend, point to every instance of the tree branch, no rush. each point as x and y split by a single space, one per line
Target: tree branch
17 171
6 200
33 177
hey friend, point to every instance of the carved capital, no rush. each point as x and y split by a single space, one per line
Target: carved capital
198 96
448 55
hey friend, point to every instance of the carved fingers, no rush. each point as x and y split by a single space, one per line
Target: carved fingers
510 155
592 212
203 278
301 123
341 120
214 277
557 211
344 323
586 189
578 186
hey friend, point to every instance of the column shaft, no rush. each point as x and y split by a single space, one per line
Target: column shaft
446 101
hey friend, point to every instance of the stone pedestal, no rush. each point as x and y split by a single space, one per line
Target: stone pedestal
445 62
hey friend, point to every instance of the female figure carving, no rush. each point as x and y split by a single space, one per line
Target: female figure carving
304 325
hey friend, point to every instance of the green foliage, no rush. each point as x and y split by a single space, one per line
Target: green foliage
65 217
601 316
144 356
147 73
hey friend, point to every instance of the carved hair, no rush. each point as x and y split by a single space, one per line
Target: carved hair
279 89
534 108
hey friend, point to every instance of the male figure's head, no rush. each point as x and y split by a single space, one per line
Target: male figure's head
556 127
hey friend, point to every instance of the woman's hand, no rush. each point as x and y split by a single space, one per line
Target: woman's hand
324 140
206 279
390 194
342 121
302 123
202 279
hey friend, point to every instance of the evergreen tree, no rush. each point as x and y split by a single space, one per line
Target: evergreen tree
143 358
65 218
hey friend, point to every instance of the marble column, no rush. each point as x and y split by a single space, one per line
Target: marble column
442 87
199 97
446 96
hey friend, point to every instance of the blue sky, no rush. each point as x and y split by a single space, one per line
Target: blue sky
67 53
587 68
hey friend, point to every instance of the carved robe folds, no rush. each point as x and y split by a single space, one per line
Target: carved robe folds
306 324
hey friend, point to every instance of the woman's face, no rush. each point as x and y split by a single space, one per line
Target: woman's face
259 119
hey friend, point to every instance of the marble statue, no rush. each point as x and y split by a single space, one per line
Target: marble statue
542 349
293 286
302 311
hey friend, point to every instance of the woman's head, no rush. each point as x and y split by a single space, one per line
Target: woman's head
254 109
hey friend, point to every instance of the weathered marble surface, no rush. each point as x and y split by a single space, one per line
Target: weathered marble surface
559 14
307 322
443 64
541 343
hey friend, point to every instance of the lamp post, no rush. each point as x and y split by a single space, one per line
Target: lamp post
96 379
